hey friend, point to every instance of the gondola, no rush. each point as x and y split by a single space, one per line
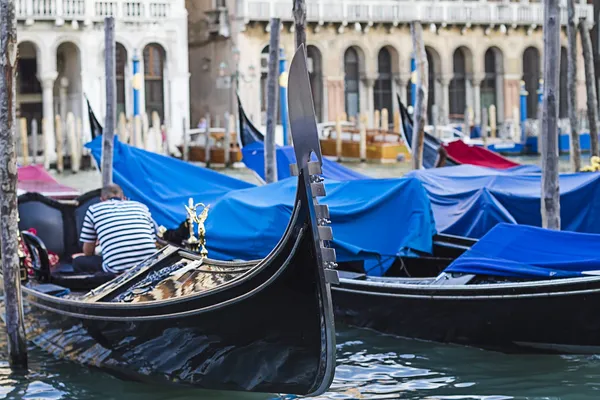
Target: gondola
517 289
434 154
181 318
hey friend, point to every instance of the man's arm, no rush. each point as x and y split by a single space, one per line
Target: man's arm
88 235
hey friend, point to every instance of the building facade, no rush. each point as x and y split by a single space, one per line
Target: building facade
360 54
61 60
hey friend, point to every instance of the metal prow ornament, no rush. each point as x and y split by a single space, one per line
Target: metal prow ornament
194 243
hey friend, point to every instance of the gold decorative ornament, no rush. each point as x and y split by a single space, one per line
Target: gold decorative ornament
198 243
594 165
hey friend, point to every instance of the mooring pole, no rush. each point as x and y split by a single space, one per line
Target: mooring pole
109 125
422 80
574 148
272 77
9 230
590 83
299 11
550 185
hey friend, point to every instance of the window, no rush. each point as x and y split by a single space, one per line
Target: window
351 82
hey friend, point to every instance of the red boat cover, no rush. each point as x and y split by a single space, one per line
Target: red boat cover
34 178
475 155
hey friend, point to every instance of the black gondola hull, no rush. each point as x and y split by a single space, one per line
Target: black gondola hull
553 317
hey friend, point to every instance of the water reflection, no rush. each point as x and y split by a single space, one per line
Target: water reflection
369 366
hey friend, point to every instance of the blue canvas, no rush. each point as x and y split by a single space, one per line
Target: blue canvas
519 251
469 200
373 219
164 184
254 158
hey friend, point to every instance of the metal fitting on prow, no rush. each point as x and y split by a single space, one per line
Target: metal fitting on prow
324 231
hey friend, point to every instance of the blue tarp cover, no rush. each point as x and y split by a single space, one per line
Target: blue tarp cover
164 184
254 158
469 200
528 252
375 218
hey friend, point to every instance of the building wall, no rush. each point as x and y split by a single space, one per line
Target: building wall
80 47
207 50
442 43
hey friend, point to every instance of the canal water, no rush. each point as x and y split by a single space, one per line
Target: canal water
369 365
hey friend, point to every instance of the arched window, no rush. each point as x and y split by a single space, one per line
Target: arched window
458 85
488 85
351 82
383 84
315 73
154 58
121 64
531 76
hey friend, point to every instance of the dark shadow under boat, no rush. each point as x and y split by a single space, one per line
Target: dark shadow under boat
178 318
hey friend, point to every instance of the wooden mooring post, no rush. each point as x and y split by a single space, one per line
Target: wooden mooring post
9 215
338 137
227 140
111 112
590 83
422 69
574 148
299 11
272 86
362 146
34 141
186 144
207 143
550 186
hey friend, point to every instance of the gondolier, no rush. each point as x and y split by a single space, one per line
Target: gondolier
124 229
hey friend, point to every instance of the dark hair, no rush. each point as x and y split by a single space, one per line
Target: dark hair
112 190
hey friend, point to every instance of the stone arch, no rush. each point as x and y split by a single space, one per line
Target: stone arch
315 74
354 62
154 58
492 85
387 68
28 86
121 61
68 87
532 76
460 85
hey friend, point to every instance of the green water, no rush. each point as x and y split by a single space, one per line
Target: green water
369 366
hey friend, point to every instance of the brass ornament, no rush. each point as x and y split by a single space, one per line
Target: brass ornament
197 243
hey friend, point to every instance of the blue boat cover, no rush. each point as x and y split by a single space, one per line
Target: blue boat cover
519 251
254 158
376 218
370 218
469 200
164 184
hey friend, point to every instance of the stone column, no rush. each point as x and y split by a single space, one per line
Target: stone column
335 96
47 81
477 78
369 82
444 113
62 95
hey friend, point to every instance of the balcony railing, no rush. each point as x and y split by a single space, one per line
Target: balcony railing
480 12
93 10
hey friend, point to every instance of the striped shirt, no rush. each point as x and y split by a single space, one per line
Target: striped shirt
125 230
